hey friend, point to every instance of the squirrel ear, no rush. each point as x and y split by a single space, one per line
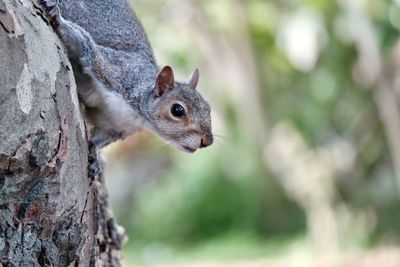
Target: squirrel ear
194 79
165 81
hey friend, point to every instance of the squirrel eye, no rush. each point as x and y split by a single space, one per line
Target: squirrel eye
177 111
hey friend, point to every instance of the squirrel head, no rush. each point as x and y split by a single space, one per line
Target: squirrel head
178 113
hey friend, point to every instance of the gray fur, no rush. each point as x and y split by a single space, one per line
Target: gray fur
116 74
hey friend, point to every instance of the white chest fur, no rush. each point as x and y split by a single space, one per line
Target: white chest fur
109 111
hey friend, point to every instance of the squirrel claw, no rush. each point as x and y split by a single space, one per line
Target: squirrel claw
52 10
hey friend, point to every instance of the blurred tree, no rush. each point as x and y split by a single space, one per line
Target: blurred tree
326 69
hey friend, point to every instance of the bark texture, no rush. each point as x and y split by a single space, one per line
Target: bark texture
53 204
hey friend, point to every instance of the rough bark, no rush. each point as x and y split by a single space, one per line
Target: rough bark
53 204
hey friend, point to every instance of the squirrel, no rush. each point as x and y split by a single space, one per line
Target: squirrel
118 80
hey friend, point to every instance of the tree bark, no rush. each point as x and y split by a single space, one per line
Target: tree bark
53 203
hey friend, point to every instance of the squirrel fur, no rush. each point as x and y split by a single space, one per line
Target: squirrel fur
118 79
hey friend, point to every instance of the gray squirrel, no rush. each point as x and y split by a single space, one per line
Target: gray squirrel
118 79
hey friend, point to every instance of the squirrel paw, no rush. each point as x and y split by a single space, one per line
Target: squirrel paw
95 168
52 10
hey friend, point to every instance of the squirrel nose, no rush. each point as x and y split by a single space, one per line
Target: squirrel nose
206 141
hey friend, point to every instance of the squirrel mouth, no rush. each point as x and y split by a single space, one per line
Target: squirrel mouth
189 149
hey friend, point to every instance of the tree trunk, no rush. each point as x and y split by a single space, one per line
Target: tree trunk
53 204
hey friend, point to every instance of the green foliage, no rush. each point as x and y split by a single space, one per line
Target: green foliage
229 188
194 203
231 246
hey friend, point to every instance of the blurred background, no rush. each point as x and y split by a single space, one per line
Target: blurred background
305 168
